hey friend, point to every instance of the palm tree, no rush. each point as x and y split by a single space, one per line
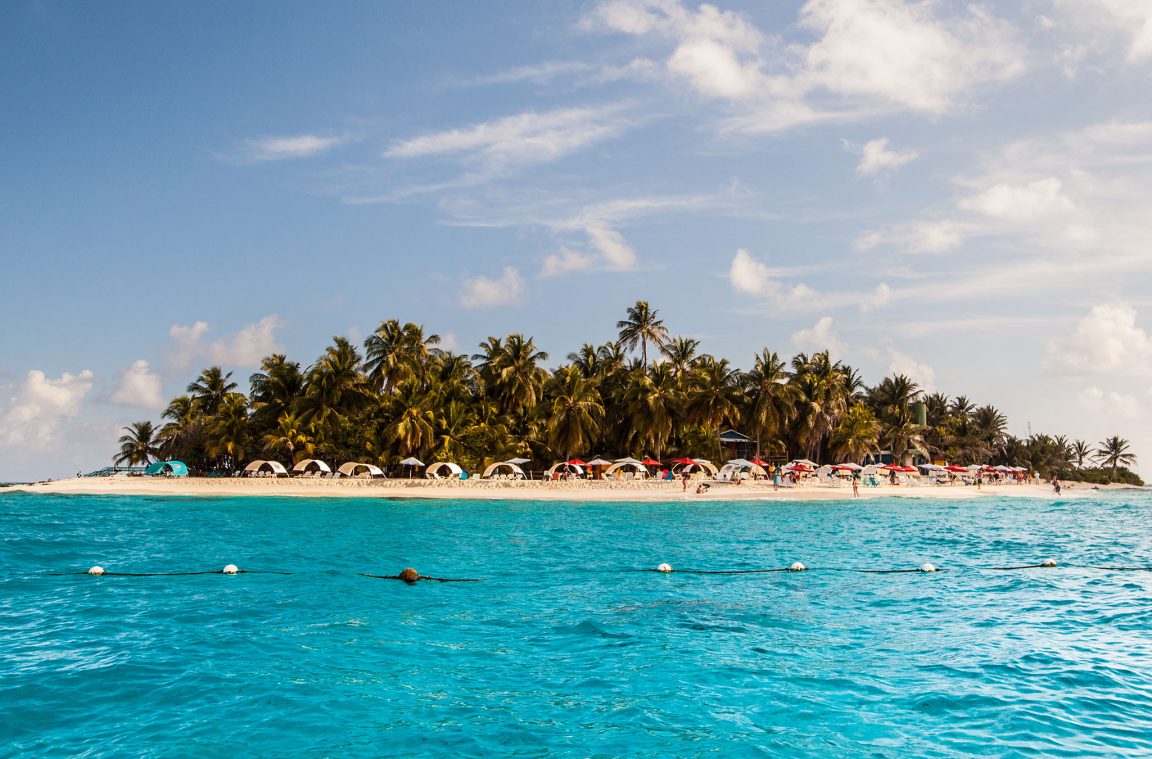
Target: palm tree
1080 451
652 403
519 378
139 446
335 386
210 389
856 435
640 328
681 352
1113 453
275 388
396 354
769 397
412 429
228 432
292 435
714 396
575 411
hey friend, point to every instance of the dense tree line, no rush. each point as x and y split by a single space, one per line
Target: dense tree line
403 395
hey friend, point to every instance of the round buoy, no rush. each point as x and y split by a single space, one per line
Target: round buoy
1048 563
797 567
664 568
97 570
231 569
927 568
409 575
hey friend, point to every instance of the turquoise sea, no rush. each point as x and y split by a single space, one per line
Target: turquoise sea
565 648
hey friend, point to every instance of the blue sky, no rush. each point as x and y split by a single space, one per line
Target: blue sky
958 192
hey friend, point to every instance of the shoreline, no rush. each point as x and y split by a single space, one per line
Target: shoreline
528 490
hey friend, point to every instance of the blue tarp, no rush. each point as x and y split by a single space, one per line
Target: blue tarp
174 468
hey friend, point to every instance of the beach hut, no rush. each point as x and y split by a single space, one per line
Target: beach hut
262 468
740 469
167 469
443 470
307 465
360 469
496 471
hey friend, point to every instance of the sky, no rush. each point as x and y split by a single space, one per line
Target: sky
958 192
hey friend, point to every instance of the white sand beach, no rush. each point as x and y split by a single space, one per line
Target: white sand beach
579 490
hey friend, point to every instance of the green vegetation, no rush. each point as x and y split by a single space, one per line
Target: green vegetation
406 396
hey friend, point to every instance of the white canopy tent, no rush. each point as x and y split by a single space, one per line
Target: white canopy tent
352 469
443 470
259 465
303 466
700 464
636 469
564 466
740 469
514 471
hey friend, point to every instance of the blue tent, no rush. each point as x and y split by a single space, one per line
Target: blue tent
171 468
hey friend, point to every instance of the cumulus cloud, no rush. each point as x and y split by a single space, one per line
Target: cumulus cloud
40 404
283 148
520 140
246 347
1095 401
1106 341
865 57
484 292
1021 202
138 386
876 156
819 337
920 373
1096 26
878 298
749 276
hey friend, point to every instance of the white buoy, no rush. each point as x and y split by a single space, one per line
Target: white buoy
927 568
97 570
1048 563
797 567
664 568
231 569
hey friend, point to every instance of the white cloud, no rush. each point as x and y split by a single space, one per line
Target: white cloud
867 57
537 73
876 157
1107 341
879 298
281 148
40 404
916 237
1095 401
819 337
484 292
1021 202
520 140
247 347
138 386
920 373
1095 27
899 52
751 277
564 261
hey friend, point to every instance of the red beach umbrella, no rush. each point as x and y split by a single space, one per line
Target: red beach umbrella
760 462
955 468
684 460
576 462
650 461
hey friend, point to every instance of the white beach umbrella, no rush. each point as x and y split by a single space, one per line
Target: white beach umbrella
518 461
629 460
412 461
599 462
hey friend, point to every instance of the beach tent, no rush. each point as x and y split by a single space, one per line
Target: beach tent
306 464
734 469
259 465
564 466
352 469
168 468
631 465
443 469
514 470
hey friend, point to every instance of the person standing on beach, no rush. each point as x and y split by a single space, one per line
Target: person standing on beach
855 484
684 480
1055 485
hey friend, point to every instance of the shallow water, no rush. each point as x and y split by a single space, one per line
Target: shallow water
563 649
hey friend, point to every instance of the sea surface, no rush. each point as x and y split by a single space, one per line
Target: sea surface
567 647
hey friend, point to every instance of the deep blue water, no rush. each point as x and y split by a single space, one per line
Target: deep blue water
562 649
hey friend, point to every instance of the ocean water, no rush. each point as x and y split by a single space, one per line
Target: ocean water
565 648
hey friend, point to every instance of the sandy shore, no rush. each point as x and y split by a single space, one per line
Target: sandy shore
522 490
